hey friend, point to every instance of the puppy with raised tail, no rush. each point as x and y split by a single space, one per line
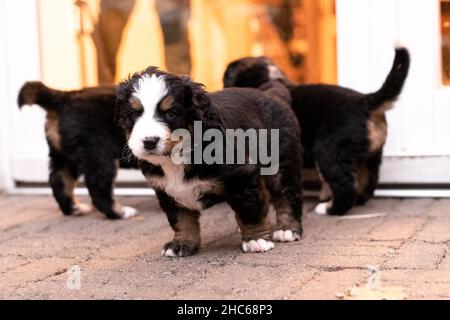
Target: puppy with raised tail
343 131
83 140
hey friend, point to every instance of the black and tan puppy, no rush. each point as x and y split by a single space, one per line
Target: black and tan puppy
153 105
343 131
83 140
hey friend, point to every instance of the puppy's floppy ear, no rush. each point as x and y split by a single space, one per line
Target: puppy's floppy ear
200 105
120 100
121 117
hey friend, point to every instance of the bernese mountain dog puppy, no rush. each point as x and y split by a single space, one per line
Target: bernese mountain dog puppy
153 105
343 131
83 140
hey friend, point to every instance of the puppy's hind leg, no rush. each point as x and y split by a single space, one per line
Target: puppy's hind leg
63 181
342 183
100 178
373 173
286 196
325 193
250 205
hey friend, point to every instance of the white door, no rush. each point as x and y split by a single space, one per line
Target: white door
418 147
22 138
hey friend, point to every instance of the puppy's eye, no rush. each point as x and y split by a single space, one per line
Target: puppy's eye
172 114
134 113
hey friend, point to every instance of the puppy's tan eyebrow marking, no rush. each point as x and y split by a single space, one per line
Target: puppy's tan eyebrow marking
166 103
136 104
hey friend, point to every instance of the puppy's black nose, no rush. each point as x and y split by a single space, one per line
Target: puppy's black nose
151 143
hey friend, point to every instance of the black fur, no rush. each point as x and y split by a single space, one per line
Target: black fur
242 186
335 125
83 140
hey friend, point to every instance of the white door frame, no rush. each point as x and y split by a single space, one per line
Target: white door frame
19 62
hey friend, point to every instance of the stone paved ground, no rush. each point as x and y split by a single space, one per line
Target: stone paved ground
409 240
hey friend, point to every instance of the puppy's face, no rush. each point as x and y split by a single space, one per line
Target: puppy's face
251 73
151 106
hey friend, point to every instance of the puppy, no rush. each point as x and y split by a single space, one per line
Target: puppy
343 131
153 105
83 140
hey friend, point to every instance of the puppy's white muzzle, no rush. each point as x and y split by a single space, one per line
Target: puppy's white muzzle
149 137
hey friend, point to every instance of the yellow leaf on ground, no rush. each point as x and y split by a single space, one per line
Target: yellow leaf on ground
388 293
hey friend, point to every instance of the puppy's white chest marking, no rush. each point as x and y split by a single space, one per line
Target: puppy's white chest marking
186 193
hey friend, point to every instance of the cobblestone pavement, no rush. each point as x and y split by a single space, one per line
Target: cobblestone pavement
388 246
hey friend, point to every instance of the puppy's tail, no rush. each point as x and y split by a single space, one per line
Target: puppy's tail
394 83
37 93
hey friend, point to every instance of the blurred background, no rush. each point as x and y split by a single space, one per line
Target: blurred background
105 40
69 44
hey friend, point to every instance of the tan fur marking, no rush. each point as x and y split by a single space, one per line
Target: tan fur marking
52 130
69 184
170 145
136 104
361 179
187 228
385 107
69 190
166 103
285 218
325 193
377 132
69 187
118 207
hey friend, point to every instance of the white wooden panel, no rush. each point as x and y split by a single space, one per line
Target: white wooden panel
353 43
441 118
384 34
20 62
418 148
24 147
417 107
4 156
423 170
371 29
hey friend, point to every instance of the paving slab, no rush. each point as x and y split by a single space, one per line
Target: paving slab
407 242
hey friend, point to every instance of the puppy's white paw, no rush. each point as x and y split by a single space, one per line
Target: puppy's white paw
322 208
286 236
168 253
256 246
82 209
129 212
178 249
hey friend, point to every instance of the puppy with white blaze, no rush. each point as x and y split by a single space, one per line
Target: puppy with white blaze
152 105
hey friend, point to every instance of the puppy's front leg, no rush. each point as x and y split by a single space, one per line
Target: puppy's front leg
251 209
186 225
